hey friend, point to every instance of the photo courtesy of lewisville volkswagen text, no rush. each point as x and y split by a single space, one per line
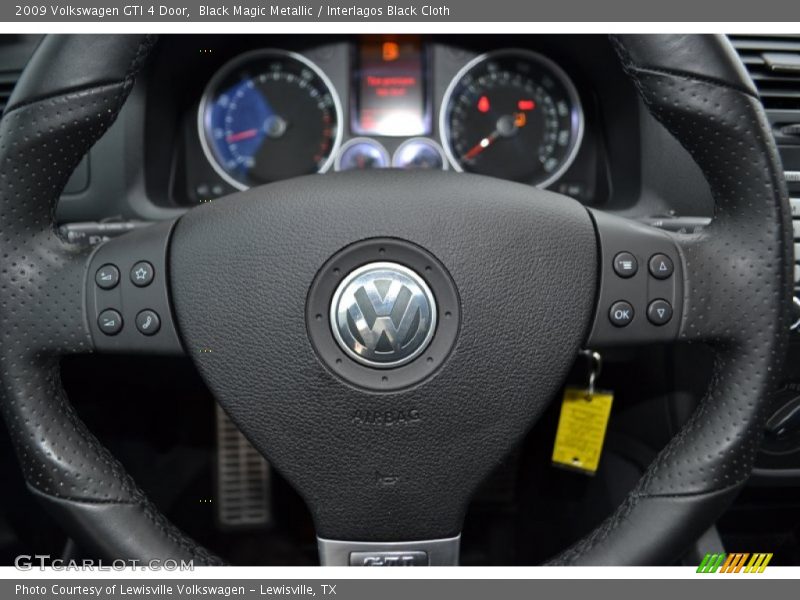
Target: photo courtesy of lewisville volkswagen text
333 285
160 589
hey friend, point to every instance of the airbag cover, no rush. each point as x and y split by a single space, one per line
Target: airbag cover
400 465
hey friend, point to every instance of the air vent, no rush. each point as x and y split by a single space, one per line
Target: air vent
8 79
774 65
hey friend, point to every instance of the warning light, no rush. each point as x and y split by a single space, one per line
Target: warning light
390 51
520 119
526 105
483 104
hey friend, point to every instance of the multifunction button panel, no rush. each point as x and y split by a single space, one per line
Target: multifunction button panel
126 294
641 284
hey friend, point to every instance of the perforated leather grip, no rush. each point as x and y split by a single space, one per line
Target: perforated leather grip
68 96
737 296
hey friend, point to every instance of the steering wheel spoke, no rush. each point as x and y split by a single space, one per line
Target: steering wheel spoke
640 295
127 300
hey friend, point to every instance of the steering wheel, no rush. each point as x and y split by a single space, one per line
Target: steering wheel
385 339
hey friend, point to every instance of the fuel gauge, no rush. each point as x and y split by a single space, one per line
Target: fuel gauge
361 154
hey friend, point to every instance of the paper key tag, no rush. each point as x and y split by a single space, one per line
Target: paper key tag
582 429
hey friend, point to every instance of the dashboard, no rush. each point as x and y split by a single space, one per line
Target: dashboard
211 115
272 114
225 115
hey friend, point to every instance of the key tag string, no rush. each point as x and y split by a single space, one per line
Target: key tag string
595 368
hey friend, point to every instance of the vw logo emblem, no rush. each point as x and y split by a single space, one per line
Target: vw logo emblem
383 315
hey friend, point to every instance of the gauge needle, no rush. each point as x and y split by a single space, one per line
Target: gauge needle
506 127
482 145
241 135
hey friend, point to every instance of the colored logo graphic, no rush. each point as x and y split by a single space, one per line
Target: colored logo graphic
735 563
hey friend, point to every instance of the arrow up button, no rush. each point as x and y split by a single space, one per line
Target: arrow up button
661 266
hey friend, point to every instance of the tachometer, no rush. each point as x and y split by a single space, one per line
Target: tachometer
512 114
269 115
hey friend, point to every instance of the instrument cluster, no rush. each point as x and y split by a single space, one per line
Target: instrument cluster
375 102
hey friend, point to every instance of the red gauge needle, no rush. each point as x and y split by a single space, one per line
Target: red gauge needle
507 126
481 146
241 135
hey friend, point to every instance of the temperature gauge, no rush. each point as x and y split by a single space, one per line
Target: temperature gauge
420 153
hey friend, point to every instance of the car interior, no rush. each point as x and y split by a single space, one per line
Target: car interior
474 140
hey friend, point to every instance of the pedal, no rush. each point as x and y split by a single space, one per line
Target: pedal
243 481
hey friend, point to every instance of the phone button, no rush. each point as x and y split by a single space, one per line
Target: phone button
148 322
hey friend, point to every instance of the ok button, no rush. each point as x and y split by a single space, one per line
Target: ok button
621 313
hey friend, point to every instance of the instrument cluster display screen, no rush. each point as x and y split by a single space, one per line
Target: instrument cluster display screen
390 88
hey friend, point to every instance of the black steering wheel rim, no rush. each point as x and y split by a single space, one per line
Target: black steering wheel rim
72 91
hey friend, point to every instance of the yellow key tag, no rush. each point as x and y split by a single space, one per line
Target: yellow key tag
582 429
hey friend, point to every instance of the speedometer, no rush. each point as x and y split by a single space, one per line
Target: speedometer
512 114
269 115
